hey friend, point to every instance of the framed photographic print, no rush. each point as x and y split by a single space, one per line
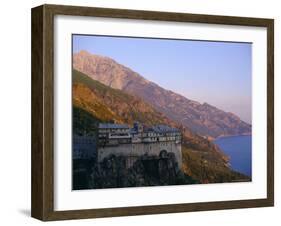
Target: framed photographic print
141 112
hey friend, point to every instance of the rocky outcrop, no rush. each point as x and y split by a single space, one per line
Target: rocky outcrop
113 173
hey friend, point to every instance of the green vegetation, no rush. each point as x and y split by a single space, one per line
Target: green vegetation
83 122
204 167
108 104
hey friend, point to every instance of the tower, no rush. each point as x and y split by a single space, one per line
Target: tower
138 127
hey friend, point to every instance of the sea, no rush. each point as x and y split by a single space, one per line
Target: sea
239 149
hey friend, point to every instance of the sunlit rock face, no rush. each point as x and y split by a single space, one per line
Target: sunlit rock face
203 119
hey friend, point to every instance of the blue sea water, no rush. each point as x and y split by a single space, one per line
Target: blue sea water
239 149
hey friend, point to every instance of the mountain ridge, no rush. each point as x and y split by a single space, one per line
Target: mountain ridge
204 119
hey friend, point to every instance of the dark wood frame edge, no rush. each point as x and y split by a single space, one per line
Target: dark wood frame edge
42 197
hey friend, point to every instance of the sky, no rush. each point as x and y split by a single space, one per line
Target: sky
218 73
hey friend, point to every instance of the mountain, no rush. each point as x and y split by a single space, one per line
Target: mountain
204 119
108 104
94 102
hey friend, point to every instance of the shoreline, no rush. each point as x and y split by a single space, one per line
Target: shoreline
227 136
232 153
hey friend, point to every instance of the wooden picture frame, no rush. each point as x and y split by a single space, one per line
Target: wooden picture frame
43 112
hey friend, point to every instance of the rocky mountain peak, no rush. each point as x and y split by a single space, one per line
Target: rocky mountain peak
203 119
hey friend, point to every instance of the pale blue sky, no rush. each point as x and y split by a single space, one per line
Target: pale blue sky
218 73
